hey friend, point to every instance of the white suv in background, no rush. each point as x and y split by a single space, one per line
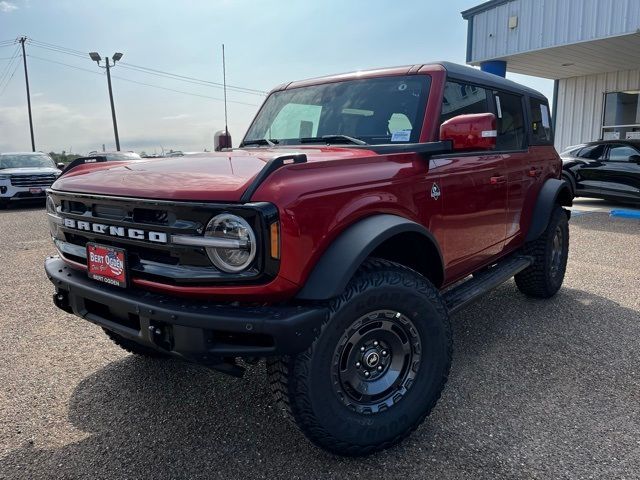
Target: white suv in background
25 176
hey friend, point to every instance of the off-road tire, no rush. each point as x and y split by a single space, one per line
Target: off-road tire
303 385
133 347
539 280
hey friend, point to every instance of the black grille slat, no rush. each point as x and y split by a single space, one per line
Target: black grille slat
32 180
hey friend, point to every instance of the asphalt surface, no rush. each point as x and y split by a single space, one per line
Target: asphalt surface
538 389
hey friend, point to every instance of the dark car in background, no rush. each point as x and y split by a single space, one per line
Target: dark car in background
607 169
25 176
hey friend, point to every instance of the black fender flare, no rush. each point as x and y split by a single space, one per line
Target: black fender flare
343 257
553 192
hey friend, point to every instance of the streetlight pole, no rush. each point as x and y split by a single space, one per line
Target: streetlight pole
116 56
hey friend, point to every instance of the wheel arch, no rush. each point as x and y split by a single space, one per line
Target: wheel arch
385 236
553 192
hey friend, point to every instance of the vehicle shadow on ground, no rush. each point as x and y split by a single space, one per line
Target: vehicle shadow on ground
23 206
515 359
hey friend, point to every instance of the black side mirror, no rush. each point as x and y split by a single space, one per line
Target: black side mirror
62 165
635 159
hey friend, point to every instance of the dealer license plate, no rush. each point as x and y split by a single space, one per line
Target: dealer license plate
107 264
35 191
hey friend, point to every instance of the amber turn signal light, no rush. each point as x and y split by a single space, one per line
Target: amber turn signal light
275 240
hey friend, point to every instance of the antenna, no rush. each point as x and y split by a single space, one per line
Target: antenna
224 83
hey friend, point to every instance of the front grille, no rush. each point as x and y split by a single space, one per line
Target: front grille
157 261
32 180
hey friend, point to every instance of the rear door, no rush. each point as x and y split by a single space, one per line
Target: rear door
619 176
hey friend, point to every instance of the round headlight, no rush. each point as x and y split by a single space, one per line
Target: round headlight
237 243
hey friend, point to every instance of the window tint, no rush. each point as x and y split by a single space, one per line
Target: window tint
511 133
540 123
295 120
621 153
462 99
592 152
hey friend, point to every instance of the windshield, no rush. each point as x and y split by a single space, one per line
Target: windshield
26 160
376 110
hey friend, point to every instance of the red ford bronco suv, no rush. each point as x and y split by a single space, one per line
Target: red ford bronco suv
358 213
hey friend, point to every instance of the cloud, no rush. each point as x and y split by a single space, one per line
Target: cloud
7 7
180 116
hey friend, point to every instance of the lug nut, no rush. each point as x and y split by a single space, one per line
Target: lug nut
362 349
379 368
375 344
357 364
384 353
366 374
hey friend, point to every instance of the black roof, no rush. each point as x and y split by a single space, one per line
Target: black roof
635 143
473 75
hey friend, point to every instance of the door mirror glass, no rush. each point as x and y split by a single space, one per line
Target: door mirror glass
470 132
635 159
60 166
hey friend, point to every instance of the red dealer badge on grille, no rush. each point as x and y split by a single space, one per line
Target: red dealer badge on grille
107 264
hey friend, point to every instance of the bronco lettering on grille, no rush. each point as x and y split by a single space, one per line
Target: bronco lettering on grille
122 232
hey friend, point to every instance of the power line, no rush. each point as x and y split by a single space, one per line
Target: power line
14 59
153 71
15 69
150 71
65 64
139 83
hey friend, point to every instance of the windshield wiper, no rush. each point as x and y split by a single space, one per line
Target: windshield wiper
261 141
334 139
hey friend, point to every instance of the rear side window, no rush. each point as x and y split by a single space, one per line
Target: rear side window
462 99
621 153
540 123
510 114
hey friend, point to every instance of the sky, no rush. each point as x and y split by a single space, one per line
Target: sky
266 42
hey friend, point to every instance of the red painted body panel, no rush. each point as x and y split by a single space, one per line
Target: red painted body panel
483 211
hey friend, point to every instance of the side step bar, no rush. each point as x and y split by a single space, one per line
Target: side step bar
485 281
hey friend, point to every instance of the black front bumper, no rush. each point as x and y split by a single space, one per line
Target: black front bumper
202 332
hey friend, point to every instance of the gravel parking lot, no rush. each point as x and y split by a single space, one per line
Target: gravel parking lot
538 389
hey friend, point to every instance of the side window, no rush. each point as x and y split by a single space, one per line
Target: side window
592 152
511 132
621 153
461 99
295 120
540 123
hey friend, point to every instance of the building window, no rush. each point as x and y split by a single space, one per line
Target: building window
621 119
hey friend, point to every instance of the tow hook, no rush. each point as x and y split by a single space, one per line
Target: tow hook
61 300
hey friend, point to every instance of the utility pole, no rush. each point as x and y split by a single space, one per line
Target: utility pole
113 108
116 56
26 79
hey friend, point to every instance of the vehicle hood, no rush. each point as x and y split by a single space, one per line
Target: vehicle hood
30 171
219 176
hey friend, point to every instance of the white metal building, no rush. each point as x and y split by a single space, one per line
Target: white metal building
591 48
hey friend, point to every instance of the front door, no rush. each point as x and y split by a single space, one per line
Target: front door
473 192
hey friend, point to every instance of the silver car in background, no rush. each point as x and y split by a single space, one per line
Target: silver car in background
25 176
